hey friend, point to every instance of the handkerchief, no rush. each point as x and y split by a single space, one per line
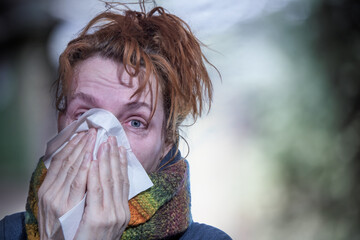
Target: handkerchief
107 125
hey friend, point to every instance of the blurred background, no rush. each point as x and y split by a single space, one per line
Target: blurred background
278 155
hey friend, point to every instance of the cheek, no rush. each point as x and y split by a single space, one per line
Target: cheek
147 150
62 121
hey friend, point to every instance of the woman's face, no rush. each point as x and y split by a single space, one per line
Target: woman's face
103 83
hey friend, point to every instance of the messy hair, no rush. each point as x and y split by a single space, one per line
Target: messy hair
146 43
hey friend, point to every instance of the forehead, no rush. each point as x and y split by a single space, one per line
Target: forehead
106 78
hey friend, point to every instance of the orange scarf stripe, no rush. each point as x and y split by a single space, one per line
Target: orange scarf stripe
142 208
137 216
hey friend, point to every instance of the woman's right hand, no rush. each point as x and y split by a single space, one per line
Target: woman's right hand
65 183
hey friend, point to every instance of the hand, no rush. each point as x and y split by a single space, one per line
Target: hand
65 183
107 211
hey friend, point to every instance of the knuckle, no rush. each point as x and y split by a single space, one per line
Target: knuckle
55 209
122 215
112 220
102 223
110 182
56 158
124 181
127 216
54 206
83 168
71 171
76 185
66 162
47 198
123 165
98 190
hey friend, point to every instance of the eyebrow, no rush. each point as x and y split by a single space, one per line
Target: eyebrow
86 98
95 102
136 105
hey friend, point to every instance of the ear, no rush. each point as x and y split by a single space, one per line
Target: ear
61 123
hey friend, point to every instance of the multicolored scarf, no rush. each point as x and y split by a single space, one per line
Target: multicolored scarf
157 213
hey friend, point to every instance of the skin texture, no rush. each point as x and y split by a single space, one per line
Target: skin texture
100 83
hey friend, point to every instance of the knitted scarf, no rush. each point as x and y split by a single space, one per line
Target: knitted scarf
160 212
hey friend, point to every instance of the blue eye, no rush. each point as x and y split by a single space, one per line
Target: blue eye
135 123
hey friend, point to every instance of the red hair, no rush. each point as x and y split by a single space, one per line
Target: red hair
154 42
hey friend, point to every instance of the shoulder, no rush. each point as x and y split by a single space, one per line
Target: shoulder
197 231
13 227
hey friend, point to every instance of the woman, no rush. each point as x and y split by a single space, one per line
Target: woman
147 69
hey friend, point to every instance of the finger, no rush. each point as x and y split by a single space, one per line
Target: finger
93 205
124 174
124 182
115 158
94 197
121 186
115 168
69 147
106 179
68 168
78 185
117 173
56 162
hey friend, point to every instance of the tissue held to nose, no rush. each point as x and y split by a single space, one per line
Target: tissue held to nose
96 134
106 125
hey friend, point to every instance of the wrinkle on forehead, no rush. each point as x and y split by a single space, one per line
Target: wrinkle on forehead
125 78
122 77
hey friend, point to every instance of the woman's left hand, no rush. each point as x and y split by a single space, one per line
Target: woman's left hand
106 212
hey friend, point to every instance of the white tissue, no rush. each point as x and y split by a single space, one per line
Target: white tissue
107 125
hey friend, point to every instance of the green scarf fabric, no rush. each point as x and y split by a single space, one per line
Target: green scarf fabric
160 212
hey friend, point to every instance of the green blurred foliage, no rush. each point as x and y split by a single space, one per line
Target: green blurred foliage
11 139
23 25
312 131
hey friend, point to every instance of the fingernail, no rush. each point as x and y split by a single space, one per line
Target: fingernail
90 139
113 139
106 147
94 164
